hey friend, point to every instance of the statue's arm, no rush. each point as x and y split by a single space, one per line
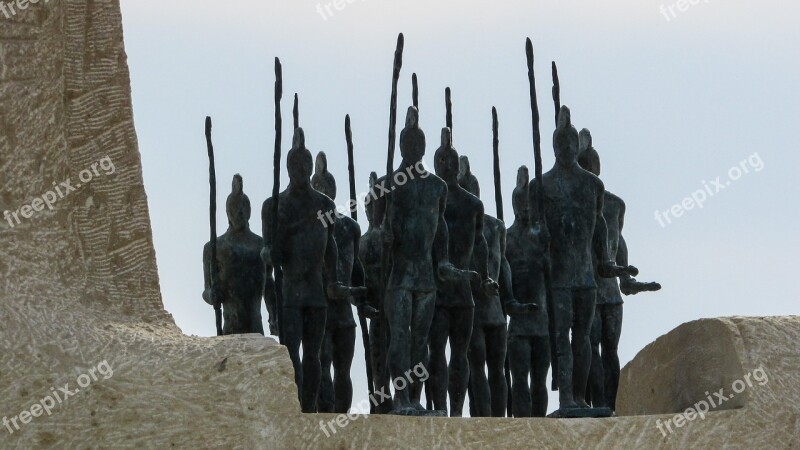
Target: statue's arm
359 275
331 255
481 249
440 251
207 274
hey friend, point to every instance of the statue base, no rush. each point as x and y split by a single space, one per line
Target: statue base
419 412
581 413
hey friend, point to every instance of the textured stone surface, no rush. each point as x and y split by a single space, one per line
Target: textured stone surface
79 285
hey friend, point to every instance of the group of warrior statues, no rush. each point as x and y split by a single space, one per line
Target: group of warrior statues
433 269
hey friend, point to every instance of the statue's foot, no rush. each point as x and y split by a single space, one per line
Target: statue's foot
581 403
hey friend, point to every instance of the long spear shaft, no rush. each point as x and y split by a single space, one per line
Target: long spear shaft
276 187
556 91
414 91
387 247
296 112
498 191
537 155
498 199
362 318
448 104
212 210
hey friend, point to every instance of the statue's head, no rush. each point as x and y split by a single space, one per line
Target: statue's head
519 198
565 139
589 159
238 205
298 161
584 140
323 180
446 159
587 155
466 179
412 139
369 205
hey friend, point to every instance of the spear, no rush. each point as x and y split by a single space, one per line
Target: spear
537 155
212 212
414 91
556 91
498 199
362 318
448 104
386 226
498 192
296 112
276 187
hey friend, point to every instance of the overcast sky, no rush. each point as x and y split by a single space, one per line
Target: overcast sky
675 97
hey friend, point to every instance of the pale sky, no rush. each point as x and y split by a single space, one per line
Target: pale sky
673 102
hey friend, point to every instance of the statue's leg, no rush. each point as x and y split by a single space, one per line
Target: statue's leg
326 400
562 316
583 309
293 319
422 315
440 329
380 370
480 400
460 334
496 341
519 348
612 330
540 364
313 335
271 302
594 391
398 310
344 343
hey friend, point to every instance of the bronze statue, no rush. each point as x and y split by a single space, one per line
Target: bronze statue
455 307
336 395
528 335
573 200
305 250
607 323
240 275
487 350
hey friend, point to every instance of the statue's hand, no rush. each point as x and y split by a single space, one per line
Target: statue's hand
388 237
273 329
490 287
359 291
517 308
609 269
449 272
266 255
211 296
630 286
338 291
369 312
542 232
